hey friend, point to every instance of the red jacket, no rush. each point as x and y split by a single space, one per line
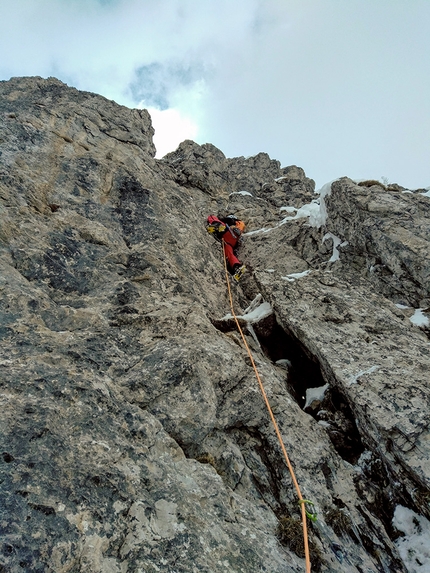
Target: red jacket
228 234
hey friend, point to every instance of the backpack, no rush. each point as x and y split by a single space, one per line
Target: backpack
239 227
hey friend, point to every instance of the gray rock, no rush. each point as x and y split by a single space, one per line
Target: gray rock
388 230
134 435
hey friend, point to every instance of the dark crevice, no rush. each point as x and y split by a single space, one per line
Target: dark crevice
338 418
378 489
304 372
336 415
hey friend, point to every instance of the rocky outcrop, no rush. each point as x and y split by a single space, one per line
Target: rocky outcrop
134 437
387 234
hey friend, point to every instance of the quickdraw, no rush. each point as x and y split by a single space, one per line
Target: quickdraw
312 515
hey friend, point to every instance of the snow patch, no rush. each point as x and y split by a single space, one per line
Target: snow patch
254 336
288 209
295 276
280 178
354 379
258 313
241 193
323 193
255 302
365 457
402 306
315 211
419 318
311 210
315 394
255 311
262 230
426 194
336 243
283 363
414 546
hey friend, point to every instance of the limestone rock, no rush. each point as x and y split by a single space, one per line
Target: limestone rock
134 435
388 231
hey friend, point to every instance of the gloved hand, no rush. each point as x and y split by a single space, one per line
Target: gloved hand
215 228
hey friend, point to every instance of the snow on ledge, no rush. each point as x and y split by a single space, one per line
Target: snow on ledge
284 363
263 230
315 211
310 210
241 193
315 394
258 313
336 243
255 311
293 276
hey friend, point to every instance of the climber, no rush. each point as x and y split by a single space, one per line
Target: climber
228 231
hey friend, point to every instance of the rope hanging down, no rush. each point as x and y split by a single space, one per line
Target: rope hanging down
302 501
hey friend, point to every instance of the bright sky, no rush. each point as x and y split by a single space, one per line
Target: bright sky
338 87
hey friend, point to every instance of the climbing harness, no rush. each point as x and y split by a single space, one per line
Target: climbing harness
302 502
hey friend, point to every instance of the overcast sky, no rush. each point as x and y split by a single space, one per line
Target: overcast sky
338 87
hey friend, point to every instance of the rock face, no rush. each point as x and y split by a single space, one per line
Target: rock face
134 437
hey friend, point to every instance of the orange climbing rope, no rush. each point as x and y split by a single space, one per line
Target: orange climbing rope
302 501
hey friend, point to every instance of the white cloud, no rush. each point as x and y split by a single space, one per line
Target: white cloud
170 129
339 88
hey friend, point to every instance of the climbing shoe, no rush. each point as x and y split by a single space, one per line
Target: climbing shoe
239 272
